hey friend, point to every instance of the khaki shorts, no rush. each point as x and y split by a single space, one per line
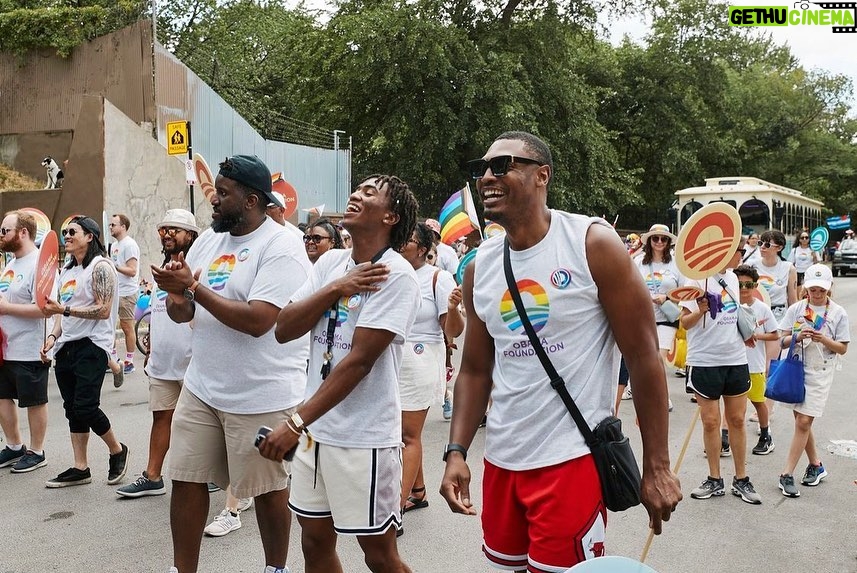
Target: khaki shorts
208 445
127 304
163 394
360 488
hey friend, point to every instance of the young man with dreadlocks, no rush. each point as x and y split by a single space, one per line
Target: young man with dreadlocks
359 306
167 359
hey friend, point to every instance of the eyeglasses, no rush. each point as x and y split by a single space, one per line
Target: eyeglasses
659 239
804 238
4 231
746 284
315 239
499 165
171 231
770 245
69 232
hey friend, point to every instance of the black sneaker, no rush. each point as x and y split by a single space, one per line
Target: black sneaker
813 475
765 446
725 450
710 487
9 457
118 466
29 462
71 476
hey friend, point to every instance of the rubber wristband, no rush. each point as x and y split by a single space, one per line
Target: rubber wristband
51 334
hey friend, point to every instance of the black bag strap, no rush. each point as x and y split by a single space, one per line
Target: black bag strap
556 381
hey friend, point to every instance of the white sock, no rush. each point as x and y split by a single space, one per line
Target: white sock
129 357
16 447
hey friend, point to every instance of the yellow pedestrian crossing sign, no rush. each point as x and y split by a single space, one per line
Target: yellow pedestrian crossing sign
177 137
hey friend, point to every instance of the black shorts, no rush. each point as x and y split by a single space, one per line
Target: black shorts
712 382
624 376
800 279
24 381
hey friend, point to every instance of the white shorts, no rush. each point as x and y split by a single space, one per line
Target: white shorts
359 488
666 335
422 376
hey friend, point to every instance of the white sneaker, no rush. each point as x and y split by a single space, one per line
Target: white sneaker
272 569
626 395
244 504
223 524
670 405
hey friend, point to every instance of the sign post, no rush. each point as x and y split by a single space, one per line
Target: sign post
179 142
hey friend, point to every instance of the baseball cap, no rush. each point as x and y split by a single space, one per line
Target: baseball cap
434 225
180 218
249 170
818 276
91 227
279 200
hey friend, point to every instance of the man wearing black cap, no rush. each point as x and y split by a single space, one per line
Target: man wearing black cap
235 279
80 342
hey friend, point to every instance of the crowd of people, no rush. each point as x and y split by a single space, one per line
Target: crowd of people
295 367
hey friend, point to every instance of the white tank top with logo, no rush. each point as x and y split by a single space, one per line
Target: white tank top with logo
76 291
528 424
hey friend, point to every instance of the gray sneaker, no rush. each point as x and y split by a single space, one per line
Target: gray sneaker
813 475
142 486
118 378
745 490
9 457
710 487
787 486
29 462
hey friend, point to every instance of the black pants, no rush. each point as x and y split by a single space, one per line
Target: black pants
80 366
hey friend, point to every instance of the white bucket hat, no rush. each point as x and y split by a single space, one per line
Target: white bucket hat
179 218
658 229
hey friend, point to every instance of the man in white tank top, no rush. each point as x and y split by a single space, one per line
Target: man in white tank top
583 297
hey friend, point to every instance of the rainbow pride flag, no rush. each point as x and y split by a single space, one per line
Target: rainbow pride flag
458 216
812 318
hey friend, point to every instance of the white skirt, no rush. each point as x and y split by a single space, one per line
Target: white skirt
422 377
818 378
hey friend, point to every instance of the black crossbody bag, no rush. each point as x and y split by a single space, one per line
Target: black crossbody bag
611 450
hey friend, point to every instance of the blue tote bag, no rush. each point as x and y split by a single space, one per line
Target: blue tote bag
785 377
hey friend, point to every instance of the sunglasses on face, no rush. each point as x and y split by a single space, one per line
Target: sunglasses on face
171 231
746 284
499 165
770 245
660 239
804 238
4 231
69 232
315 239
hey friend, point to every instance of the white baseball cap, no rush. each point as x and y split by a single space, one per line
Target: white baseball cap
818 276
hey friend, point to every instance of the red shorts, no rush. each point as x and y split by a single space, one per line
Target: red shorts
544 520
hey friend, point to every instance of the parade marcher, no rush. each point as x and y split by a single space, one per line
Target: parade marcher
802 257
359 306
661 275
573 270
823 333
321 236
777 275
447 258
236 277
23 375
422 379
766 329
753 252
718 368
126 257
80 341
168 358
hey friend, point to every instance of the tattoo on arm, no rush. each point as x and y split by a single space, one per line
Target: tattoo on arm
104 288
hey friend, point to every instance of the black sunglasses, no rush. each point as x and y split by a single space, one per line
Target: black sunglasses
499 165
660 239
314 239
69 232
4 231
804 238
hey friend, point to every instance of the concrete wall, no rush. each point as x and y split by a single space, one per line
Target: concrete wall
143 182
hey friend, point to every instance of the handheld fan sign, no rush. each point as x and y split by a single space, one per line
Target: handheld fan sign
203 175
288 192
46 268
462 264
611 564
685 293
43 224
818 238
708 241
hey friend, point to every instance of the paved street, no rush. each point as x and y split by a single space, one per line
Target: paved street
89 529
